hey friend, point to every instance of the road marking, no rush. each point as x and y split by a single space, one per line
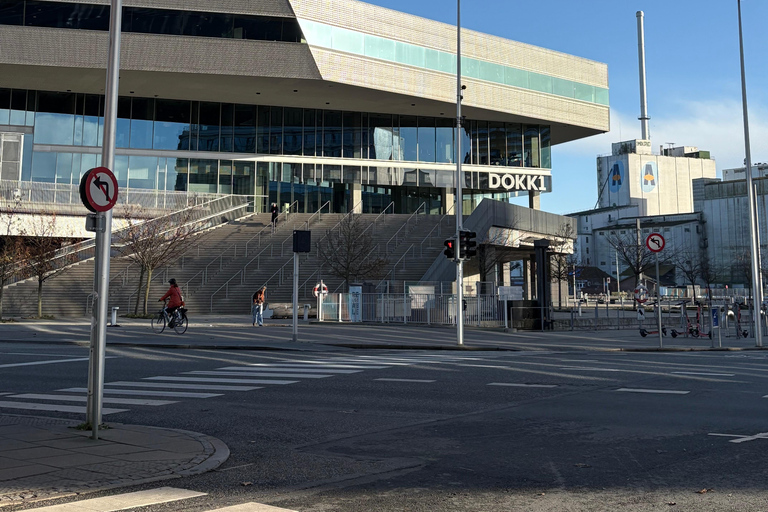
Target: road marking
125 501
53 407
590 369
223 381
169 385
252 373
292 368
34 363
405 380
522 385
106 400
743 439
659 391
142 392
706 374
579 361
310 364
251 507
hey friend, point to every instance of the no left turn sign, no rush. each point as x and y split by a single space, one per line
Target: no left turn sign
655 242
98 189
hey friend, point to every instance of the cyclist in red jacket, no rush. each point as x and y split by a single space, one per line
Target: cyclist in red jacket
174 294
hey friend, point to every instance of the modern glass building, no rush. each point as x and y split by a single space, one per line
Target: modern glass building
287 103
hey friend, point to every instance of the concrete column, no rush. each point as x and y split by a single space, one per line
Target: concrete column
356 196
534 200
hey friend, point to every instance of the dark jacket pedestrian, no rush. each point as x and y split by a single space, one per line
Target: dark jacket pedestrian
275 212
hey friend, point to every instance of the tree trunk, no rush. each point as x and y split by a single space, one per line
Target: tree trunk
146 289
39 298
2 287
559 285
138 292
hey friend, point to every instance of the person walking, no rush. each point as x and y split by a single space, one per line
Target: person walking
273 209
257 306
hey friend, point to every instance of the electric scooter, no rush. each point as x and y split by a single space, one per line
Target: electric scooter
688 326
645 332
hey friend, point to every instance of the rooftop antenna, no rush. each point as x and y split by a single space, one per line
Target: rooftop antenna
641 58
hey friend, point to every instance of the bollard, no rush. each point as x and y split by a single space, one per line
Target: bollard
306 312
114 317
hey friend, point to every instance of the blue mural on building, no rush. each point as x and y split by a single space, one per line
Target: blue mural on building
616 177
649 177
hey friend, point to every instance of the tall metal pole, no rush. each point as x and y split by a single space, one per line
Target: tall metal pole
459 214
753 238
641 61
104 238
296 297
658 301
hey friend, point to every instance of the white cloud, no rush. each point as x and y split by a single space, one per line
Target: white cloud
714 126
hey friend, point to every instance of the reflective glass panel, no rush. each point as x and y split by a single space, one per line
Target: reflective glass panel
531 146
262 138
332 133
276 131
480 142
227 126
497 143
203 175
380 145
407 139
178 175
11 13
245 129
208 127
310 136
444 150
142 172
514 145
546 147
426 139
5 106
225 177
292 131
142 114
171 124
352 135
64 168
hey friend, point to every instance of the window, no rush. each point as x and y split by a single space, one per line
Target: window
587 250
687 230
623 232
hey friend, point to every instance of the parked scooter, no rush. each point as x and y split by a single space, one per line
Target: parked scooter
645 332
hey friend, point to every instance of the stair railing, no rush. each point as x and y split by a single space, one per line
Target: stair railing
311 220
269 228
404 229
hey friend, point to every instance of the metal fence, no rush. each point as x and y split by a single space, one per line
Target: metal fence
405 308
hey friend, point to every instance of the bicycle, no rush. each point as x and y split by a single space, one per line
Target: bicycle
178 322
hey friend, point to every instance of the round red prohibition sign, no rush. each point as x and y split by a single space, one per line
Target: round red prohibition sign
98 189
655 242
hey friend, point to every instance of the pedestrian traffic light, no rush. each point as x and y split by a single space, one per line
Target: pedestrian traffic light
467 244
450 248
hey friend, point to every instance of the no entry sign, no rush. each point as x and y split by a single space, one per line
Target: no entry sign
98 189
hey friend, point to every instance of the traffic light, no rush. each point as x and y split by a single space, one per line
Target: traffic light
450 248
467 244
471 245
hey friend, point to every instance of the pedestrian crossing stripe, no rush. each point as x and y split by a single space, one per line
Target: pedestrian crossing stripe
251 373
54 407
83 398
126 500
145 392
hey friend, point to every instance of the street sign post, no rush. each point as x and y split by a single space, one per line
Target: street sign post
655 243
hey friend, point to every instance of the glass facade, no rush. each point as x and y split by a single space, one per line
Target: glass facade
388 155
33 13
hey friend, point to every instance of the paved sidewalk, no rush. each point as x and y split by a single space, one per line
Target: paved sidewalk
46 458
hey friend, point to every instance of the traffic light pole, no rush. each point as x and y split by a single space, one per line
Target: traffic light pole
458 209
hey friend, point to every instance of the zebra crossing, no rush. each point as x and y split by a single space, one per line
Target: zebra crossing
164 390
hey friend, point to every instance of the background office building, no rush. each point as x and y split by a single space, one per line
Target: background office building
296 102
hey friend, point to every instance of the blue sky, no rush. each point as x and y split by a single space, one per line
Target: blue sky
693 74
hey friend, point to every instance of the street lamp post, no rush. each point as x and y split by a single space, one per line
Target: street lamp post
753 227
458 209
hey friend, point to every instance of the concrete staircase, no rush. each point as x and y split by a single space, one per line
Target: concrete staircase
221 272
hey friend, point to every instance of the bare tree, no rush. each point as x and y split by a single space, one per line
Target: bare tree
636 256
689 263
12 250
155 243
561 262
42 243
710 274
349 252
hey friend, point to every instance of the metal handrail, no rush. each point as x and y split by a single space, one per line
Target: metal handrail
405 224
241 273
272 229
429 236
329 231
394 267
307 222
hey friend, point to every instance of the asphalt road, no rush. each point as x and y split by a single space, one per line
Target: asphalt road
436 430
